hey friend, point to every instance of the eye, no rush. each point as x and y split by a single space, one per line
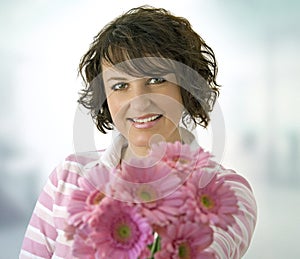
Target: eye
155 81
119 86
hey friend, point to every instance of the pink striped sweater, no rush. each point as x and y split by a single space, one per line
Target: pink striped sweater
45 236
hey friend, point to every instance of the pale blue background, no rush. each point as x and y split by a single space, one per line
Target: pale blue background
257 46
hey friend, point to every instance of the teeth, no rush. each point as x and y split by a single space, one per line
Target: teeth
146 119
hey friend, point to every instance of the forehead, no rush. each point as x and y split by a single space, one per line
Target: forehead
110 71
139 67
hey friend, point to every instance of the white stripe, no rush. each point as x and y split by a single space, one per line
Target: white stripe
35 235
26 255
50 188
56 257
74 167
66 188
45 214
60 211
70 166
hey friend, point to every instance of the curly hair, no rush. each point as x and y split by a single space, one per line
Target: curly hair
148 31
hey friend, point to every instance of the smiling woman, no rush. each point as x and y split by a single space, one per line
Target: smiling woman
154 186
142 108
131 41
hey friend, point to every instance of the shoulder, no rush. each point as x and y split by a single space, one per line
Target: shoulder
84 158
73 167
232 176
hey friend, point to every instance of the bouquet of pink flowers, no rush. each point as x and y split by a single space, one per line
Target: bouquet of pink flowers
166 205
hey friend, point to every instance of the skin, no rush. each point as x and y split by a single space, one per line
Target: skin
133 100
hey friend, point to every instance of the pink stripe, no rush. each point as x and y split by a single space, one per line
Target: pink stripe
69 177
45 228
35 248
63 251
46 200
62 200
53 177
80 159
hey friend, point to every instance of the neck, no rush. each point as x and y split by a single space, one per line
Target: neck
134 152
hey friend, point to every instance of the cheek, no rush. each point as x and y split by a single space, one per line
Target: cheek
176 107
174 103
172 107
114 107
117 107
174 92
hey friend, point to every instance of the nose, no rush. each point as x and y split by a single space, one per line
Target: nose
141 96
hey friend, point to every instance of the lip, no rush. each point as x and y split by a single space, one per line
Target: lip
145 121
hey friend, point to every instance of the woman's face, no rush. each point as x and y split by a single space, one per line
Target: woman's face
144 109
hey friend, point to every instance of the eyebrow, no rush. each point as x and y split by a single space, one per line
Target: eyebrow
120 78
116 79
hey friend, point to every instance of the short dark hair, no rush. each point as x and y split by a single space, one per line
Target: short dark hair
148 31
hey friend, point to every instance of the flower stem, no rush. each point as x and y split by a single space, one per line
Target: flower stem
155 246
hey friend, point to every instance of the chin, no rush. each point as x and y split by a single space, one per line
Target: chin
140 141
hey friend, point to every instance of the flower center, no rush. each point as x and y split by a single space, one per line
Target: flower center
207 201
146 193
122 233
95 198
98 198
180 160
184 251
145 196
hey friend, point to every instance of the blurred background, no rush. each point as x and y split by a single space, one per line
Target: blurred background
257 47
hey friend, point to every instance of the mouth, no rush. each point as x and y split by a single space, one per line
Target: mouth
146 121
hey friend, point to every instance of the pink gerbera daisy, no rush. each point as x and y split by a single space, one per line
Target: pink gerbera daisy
83 247
176 155
211 199
154 189
143 170
164 211
121 232
101 177
202 158
83 202
186 240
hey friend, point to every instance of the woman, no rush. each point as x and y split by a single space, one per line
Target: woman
146 72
